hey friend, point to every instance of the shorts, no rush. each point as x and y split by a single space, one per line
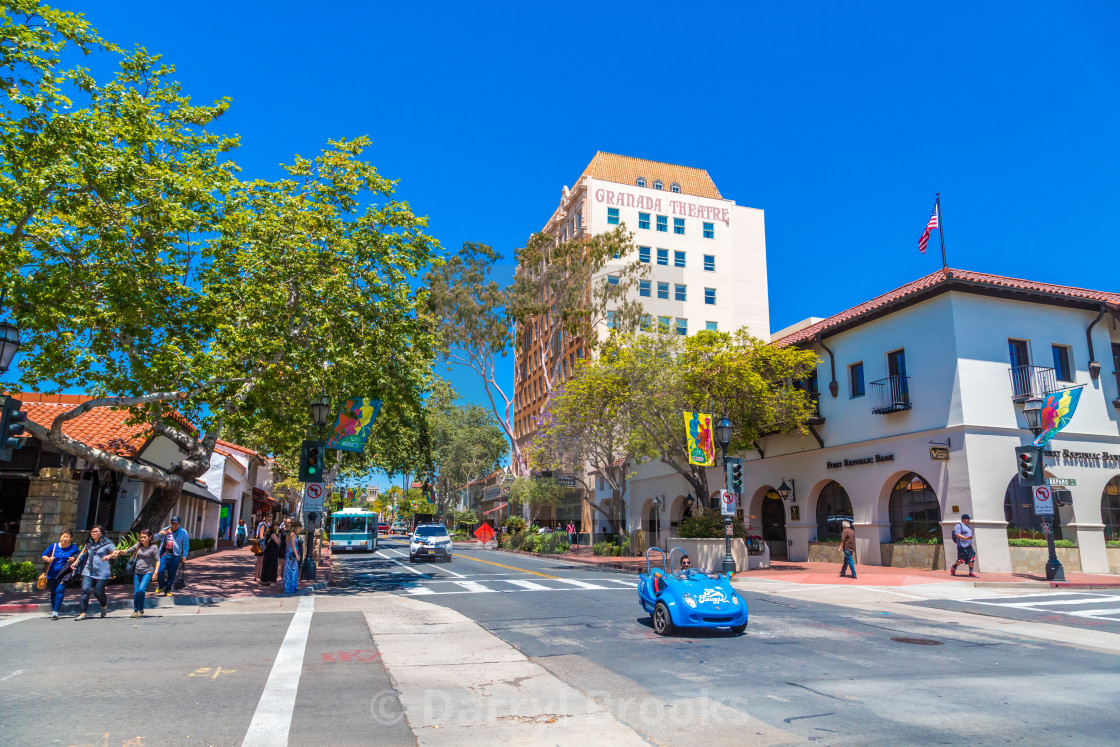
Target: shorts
966 554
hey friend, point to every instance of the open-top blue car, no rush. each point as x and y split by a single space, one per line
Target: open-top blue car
689 598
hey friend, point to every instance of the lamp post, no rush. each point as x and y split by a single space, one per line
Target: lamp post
9 341
1032 412
320 413
723 436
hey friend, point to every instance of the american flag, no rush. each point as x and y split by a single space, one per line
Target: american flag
933 223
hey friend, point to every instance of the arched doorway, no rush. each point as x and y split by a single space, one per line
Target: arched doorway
653 526
774 524
1110 509
1018 512
914 509
833 507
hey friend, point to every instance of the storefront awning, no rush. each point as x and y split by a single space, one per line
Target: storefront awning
499 507
262 496
196 490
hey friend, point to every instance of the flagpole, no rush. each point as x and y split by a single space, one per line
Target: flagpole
941 231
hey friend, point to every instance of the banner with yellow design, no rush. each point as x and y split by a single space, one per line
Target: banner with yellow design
698 431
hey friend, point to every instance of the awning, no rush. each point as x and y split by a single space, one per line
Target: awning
499 507
196 490
261 496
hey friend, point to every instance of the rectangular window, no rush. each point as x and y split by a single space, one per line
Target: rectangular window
616 255
643 220
663 323
680 292
711 326
610 319
682 326
678 259
647 322
855 379
663 290
678 226
643 254
1061 363
663 257
612 279
579 221
710 296
709 230
612 216
644 289
709 263
663 223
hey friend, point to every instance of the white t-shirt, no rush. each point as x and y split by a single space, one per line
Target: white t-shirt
965 532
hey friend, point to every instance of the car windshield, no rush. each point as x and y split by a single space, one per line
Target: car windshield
431 532
348 524
691 574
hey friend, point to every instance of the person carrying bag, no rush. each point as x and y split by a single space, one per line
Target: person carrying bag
142 566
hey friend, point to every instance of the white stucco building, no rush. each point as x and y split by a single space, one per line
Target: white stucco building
936 369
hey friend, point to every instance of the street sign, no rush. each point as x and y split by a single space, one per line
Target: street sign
1064 482
1043 505
939 453
567 481
313 497
484 533
727 503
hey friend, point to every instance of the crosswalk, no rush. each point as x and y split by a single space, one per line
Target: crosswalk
511 586
1087 604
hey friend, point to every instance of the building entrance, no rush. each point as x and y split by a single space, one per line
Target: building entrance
774 525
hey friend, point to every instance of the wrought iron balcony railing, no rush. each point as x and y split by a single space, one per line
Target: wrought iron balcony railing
1031 381
891 394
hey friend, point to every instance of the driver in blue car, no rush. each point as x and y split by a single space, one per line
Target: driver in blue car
686 567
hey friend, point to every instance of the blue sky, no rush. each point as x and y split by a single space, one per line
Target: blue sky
840 120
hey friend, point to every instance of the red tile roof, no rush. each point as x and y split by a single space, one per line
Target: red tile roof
949 279
242 449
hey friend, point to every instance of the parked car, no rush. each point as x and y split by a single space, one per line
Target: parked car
430 541
383 528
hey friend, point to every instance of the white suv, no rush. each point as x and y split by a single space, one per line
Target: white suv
430 541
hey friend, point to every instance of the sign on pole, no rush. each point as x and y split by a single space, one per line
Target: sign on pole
1043 501
313 497
727 503
484 533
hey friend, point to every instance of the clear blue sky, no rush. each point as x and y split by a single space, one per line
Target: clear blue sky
840 120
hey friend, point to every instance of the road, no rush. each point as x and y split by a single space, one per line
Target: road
313 670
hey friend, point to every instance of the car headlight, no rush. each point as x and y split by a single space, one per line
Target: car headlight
735 599
689 600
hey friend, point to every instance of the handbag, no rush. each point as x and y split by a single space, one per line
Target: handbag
180 577
255 545
41 582
130 566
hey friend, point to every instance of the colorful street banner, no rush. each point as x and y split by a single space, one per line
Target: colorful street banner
1057 411
698 430
354 425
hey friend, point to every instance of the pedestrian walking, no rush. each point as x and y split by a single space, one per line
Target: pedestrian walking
848 548
291 559
241 533
261 536
272 554
174 546
59 569
966 553
93 564
143 566
571 533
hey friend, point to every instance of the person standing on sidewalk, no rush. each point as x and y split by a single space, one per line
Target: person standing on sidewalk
273 551
59 572
291 559
95 570
242 531
146 564
174 546
848 548
571 533
966 553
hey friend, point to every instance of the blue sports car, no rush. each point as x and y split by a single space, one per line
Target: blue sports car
689 598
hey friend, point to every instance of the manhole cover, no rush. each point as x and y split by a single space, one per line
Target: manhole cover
918 641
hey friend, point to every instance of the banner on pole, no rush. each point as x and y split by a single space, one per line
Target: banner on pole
1057 411
698 431
354 425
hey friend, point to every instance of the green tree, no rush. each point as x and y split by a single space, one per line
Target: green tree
465 442
536 495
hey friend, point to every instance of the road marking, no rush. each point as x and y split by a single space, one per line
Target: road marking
1042 603
512 568
17 618
530 585
580 584
273 717
402 565
1096 614
417 590
474 586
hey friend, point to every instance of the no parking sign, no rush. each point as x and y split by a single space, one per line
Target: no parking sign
1043 500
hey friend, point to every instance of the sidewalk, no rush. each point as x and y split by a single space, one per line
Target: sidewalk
225 574
875 575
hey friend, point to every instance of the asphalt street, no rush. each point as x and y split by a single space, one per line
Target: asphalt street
1096 609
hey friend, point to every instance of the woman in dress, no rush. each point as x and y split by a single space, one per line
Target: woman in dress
59 572
95 571
271 558
147 563
291 560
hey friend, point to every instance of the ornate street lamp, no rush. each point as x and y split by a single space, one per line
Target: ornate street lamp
320 409
9 344
723 436
1032 411
788 492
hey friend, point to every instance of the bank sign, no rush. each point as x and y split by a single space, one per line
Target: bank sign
1095 458
859 462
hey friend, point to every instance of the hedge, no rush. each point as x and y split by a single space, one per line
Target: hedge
201 544
1038 543
11 573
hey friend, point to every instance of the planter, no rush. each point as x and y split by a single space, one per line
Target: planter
709 553
1113 559
902 555
20 587
1033 559
825 552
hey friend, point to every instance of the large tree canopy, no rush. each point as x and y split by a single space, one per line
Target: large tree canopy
466 442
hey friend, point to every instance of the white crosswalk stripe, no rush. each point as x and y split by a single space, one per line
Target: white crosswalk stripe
513 585
1088 604
530 585
580 584
474 586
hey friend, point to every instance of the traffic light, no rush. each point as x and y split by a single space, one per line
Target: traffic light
311 461
1029 462
11 426
733 474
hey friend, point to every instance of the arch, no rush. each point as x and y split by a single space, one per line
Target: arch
674 187
1110 509
772 518
650 521
679 509
658 184
640 181
914 509
754 506
833 506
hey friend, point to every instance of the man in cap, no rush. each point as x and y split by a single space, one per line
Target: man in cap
174 545
966 553
848 548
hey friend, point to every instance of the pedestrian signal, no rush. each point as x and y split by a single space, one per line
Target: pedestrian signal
12 420
311 461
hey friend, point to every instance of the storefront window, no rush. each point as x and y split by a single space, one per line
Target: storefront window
833 507
914 509
1110 509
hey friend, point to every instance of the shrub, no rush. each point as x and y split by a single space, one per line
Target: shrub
709 525
603 548
503 540
531 542
1038 543
919 541
555 542
515 524
515 539
12 573
1112 543
459 536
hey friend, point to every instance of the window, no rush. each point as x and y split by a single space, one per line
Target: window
709 263
680 292
678 226
663 323
612 216
682 327
1061 363
833 507
855 379
644 288
663 290
579 221
914 510
663 257
647 322
710 296
616 255
674 187
643 220
1020 367
657 184
709 230
711 326
640 181
663 223
678 258
612 279
643 254
1110 509
610 319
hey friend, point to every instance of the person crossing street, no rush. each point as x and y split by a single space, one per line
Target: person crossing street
174 546
966 553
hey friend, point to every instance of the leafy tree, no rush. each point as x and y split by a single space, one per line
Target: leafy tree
536 494
465 442
465 517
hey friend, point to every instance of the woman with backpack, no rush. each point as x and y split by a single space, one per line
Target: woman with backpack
144 563
59 570
93 565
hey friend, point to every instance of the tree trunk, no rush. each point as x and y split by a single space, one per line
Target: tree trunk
155 512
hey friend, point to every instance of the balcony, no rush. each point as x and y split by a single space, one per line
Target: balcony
1031 381
891 394
815 418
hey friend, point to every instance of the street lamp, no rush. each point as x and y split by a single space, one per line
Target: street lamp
320 409
320 412
9 340
788 492
723 436
1032 412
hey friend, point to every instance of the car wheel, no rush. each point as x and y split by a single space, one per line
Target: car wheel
411 558
662 622
739 629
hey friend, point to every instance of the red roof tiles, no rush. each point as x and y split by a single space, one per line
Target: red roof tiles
102 428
